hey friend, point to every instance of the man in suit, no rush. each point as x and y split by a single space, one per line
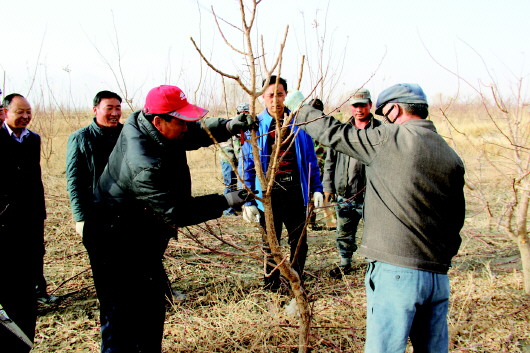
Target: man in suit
22 214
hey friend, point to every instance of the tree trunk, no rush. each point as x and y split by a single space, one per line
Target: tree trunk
292 276
522 233
524 249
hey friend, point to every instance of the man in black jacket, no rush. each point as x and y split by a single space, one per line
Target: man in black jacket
142 196
22 214
345 180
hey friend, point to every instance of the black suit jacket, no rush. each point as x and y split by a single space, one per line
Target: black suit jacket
21 189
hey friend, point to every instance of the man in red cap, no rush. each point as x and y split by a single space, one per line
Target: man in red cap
143 196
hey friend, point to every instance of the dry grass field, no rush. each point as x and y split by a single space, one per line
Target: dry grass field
225 309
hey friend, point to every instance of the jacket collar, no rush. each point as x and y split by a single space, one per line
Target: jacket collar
427 124
149 129
104 130
370 125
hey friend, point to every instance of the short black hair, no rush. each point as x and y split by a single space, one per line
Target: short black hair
417 109
9 98
166 117
272 81
105 95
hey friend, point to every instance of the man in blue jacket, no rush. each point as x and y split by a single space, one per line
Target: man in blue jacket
298 178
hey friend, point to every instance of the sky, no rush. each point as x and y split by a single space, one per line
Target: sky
63 52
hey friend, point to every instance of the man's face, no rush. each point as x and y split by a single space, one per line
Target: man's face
108 112
18 115
2 114
361 111
274 102
173 129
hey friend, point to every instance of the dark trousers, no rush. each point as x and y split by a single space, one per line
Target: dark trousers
288 209
22 246
132 288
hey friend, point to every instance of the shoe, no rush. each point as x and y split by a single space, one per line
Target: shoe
47 299
340 271
229 212
179 296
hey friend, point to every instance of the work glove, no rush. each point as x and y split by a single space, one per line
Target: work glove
242 122
251 214
79 227
294 100
318 199
238 198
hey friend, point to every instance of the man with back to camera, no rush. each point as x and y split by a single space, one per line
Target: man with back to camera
22 215
142 196
88 151
414 210
297 178
344 180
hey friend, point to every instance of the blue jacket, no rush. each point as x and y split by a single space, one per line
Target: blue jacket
305 156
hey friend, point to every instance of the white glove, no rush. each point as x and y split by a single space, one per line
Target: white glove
294 100
79 227
318 199
292 308
250 214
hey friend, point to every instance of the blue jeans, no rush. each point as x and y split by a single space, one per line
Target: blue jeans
229 180
402 303
229 177
349 213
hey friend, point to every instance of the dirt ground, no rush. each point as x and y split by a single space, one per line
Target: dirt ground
225 309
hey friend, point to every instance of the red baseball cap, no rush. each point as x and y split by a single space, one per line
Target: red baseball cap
172 101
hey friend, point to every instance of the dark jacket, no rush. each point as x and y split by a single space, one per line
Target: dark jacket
87 154
414 207
145 190
21 189
345 175
22 214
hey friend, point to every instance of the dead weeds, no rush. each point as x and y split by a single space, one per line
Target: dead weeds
225 309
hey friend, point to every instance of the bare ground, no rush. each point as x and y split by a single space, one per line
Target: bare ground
225 309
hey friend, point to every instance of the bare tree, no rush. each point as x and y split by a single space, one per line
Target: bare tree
506 151
117 72
248 17
326 68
